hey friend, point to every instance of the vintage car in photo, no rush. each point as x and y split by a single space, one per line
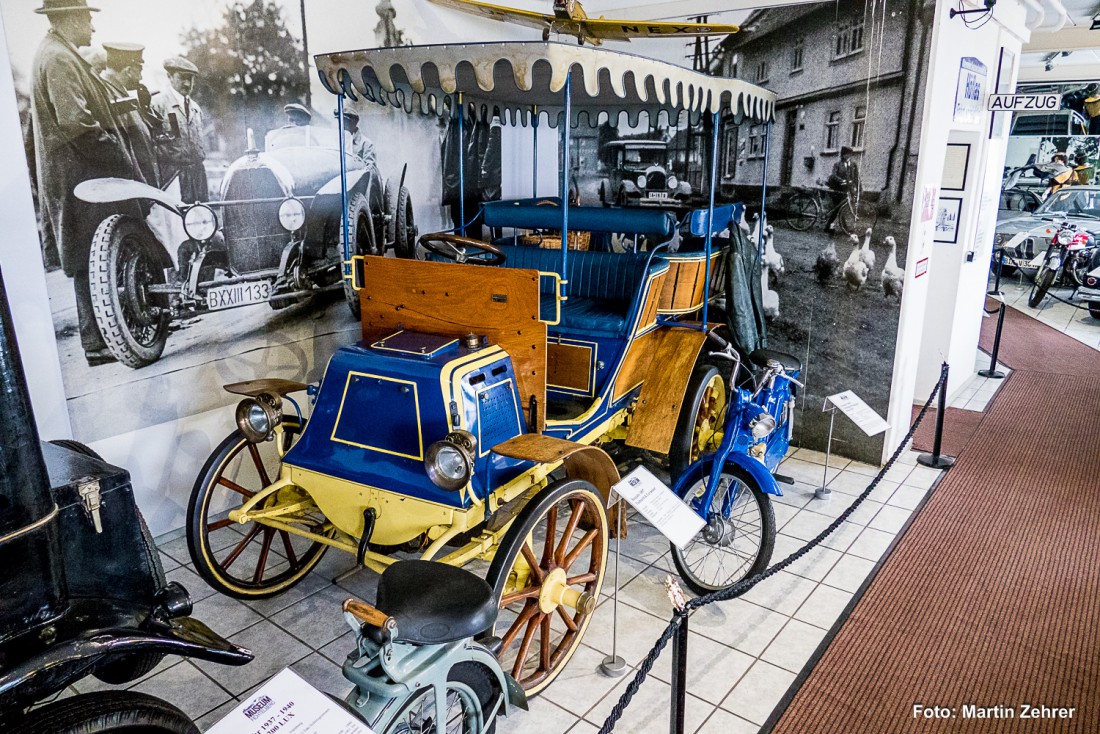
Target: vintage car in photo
274 236
470 423
639 175
1026 236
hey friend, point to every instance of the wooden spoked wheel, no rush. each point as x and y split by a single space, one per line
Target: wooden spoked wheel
249 561
547 574
702 419
709 417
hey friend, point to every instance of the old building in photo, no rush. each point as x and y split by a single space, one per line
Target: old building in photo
845 74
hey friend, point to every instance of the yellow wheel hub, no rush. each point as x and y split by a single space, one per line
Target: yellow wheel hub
706 434
557 592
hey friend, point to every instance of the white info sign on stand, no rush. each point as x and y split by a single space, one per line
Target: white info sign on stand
668 513
286 704
859 412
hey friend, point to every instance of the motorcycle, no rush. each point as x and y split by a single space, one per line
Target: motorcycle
416 661
1067 259
731 487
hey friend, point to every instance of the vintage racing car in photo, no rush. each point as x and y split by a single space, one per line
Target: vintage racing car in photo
274 236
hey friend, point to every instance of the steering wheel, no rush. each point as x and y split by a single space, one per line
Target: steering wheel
453 247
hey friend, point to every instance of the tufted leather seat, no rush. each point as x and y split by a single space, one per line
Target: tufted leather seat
602 285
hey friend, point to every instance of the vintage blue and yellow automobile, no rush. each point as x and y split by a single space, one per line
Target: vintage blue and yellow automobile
469 423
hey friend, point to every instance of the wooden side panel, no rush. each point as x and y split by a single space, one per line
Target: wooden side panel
683 288
652 301
658 409
635 364
569 366
454 300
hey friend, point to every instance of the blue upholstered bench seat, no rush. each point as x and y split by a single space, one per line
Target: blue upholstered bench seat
602 285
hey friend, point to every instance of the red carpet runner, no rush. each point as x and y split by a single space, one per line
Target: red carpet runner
990 602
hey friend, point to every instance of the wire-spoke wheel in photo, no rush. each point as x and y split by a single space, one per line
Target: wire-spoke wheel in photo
251 560
547 575
738 538
857 215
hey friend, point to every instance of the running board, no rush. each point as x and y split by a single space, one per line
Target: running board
783 479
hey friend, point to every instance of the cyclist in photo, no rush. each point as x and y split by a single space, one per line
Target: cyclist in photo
844 181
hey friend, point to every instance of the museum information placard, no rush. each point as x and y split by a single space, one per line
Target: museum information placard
286 704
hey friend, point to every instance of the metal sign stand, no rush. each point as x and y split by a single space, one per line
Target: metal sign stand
823 492
614 666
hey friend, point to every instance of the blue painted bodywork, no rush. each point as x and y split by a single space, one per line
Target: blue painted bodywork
379 409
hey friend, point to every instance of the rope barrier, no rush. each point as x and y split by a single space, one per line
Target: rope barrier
748 583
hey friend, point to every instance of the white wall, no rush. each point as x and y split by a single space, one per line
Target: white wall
21 260
942 311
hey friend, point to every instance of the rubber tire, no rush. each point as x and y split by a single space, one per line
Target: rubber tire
363 242
767 529
679 452
1042 285
513 539
106 304
195 519
482 682
404 242
803 211
1094 310
77 447
105 712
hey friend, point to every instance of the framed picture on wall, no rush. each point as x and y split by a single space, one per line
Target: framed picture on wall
946 223
956 163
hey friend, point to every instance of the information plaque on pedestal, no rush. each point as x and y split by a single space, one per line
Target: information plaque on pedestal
286 704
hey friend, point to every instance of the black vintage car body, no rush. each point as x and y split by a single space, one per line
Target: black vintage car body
82 589
274 235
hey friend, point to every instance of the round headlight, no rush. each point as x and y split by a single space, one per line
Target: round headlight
200 222
258 417
450 462
1063 238
762 426
292 215
673 182
640 181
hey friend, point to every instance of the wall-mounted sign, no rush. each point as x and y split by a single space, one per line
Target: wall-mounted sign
921 268
1021 102
946 227
970 94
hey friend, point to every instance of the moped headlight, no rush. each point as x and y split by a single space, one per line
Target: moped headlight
640 181
257 417
762 426
292 214
450 462
200 222
673 182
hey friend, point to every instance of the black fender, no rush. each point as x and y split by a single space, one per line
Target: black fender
324 220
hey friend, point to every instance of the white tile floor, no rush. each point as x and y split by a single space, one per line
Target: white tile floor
743 656
1074 322
976 390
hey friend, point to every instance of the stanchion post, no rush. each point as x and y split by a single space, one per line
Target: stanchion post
934 459
679 676
997 276
614 665
993 372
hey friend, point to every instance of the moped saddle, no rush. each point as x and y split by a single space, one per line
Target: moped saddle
434 603
761 357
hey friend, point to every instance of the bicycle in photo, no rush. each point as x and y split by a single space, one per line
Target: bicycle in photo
805 208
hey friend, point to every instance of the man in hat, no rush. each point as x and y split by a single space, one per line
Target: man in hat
124 64
184 148
360 144
844 181
297 115
76 138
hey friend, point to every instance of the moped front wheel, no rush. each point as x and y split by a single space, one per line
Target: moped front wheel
470 695
1043 281
248 561
739 536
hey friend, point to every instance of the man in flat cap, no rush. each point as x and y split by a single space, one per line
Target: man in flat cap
76 138
184 149
130 103
297 115
360 144
843 181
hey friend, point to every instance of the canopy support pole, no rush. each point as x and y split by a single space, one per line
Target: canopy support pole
461 168
716 121
344 185
535 151
764 188
565 182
